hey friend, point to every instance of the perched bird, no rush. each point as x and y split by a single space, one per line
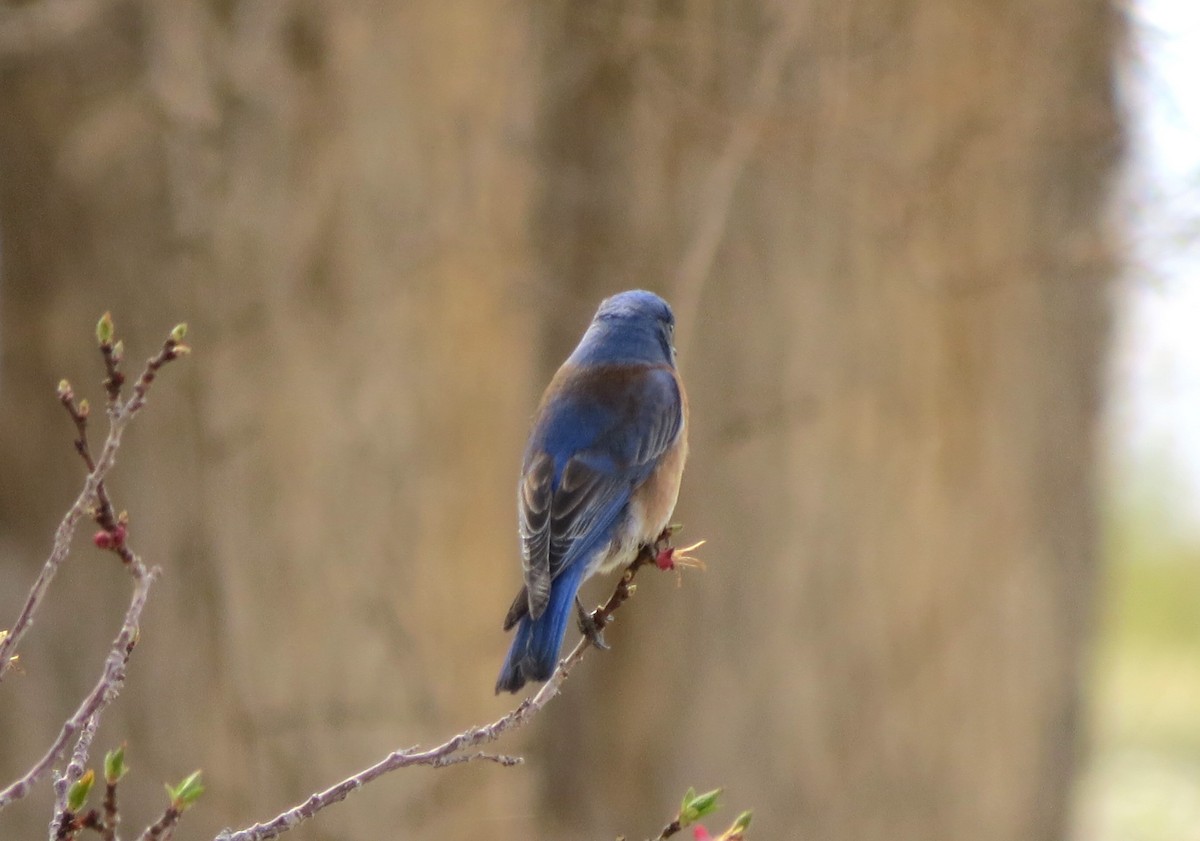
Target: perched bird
601 471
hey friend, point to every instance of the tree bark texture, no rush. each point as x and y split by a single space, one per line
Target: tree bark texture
884 228
335 196
894 352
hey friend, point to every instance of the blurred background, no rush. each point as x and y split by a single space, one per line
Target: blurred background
1142 779
931 266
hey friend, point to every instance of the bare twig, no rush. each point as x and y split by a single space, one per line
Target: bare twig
172 349
102 511
119 417
102 694
670 829
78 764
451 751
163 828
62 543
112 817
499 758
92 499
112 353
62 827
75 769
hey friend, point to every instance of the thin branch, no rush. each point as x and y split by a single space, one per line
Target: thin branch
112 816
112 353
102 511
75 769
163 828
172 349
78 764
62 542
670 829
451 751
94 500
63 826
94 822
499 758
104 692
119 418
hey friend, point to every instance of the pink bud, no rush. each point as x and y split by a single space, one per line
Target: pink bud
103 540
666 558
700 833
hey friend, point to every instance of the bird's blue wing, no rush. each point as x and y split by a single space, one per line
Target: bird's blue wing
599 436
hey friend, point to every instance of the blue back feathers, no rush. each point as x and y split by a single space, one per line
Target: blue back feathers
610 413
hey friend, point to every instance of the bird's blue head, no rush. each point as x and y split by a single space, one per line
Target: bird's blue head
634 326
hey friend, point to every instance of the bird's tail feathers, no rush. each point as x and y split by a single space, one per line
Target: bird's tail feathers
534 651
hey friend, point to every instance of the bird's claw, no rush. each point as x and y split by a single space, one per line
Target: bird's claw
590 628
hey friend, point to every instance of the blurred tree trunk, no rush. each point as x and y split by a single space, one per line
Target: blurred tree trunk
883 225
335 195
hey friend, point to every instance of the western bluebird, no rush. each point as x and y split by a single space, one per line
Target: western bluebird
601 471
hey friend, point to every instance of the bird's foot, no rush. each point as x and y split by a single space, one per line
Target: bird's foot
590 628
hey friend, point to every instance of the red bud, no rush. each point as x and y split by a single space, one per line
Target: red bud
666 558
